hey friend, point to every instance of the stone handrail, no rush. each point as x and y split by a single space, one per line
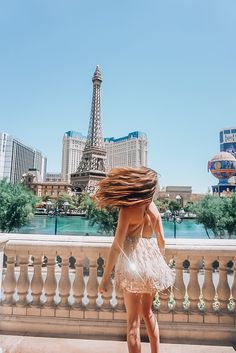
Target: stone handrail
56 278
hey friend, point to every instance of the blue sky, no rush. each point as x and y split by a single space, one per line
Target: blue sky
168 69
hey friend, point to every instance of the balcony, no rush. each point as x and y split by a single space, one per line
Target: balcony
49 288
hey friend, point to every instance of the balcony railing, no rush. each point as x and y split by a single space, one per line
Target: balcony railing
50 287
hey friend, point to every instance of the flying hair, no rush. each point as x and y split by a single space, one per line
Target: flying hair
126 187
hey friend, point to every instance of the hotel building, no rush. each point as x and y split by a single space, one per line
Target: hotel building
16 159
72 148
126 151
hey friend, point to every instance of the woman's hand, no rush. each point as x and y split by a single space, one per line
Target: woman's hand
103 286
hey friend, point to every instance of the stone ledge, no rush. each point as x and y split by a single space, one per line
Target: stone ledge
107 329
25 344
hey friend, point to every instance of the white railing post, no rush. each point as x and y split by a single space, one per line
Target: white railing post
37 281
92 285
120 306
2 246
233 289
106 296
9 282
179 289
50 284
223 289
23 281
208 288
64 282
78 286
193 288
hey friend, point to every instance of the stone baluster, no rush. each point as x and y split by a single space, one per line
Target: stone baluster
23 281
163 307
92 285
1 263
193 288
78 286
106 296
208 288
64 282
9 283
50 284
179 289
120 306
233 289
223 289
164 296
37 281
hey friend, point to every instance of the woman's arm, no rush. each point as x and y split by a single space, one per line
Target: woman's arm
157 226
117 246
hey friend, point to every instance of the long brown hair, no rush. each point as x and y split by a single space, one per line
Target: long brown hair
126 187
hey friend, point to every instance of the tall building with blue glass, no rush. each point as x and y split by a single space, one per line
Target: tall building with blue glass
16 159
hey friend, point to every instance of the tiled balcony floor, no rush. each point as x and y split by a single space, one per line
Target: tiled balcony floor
25 344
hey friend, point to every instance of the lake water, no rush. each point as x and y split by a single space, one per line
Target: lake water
76 225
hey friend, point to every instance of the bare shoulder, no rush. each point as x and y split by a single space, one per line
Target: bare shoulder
153 210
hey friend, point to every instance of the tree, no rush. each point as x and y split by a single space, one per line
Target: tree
106 218
161 204
217 214
174 205
16 206
71 201
86 204
228 220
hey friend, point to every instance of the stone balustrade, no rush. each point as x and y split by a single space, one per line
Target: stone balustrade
50 287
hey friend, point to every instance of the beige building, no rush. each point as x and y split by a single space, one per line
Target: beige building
127 151
181 194
48 188
72 148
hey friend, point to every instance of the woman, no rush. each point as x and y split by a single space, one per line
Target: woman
140 269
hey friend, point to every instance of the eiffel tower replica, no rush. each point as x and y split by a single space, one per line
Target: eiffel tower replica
92 166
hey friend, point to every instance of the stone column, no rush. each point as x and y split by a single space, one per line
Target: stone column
78 286
9 282
208 289
2 246
233 289
106 296
120 306
50 284
23 281
37 281
223 289
92 285
179 289
193 288
64 282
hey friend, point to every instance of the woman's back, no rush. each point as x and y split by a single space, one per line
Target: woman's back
139 221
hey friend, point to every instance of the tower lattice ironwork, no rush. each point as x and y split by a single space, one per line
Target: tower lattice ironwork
92 166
